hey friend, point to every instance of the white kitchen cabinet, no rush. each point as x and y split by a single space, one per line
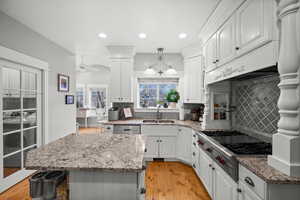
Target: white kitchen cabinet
193 80
184 144
254 25
225 188
121 80
206 173
160 147
152 144
226 42
211 53
167 147
246 194
218 184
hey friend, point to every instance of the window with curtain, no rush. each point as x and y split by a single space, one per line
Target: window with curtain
152 92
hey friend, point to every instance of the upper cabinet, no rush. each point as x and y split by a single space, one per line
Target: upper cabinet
226 42
121 64
121 80
211 53
194 80
250 26
254 25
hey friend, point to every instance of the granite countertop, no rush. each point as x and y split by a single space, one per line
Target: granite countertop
259 166
187 123
106 152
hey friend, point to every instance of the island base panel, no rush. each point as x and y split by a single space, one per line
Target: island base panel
95 185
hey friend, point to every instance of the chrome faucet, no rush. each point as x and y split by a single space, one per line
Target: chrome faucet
158 114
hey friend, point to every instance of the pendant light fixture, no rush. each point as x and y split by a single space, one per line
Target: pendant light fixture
160 66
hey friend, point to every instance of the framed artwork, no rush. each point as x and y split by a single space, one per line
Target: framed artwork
70 99
63 83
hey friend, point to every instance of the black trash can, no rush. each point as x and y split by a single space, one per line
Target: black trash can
36 184
51 181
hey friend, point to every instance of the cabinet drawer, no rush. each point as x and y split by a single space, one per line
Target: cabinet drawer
108 128
252 181
159 130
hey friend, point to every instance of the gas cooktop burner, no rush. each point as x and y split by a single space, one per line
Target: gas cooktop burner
260 148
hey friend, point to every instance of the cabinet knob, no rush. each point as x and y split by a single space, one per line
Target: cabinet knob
213 168
237 48
194 165
143 191
145 150
194 153
217 60
239 190
210 165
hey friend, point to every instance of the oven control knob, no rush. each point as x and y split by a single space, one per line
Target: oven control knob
200 142
221 160
209 150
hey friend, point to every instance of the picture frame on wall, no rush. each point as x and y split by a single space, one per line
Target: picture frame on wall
63 83
70 99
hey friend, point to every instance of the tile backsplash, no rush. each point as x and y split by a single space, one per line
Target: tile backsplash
256 105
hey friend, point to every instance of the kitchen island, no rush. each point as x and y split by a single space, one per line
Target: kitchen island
101 166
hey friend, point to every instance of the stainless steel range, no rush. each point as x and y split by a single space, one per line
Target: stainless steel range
224 147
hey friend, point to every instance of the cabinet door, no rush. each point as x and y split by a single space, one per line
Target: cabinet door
115 90
206 172
224 187
126 80
254 24
152 147
211 53
187 80
167 147
184 141
196 82
226 42
247 194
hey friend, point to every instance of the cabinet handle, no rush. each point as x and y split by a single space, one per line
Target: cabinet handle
249 181
214 62
157 140
194 143
237 48
194 153
108 128
145 150
194 135
194 165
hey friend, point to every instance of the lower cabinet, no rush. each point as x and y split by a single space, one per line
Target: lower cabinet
184 147
218 184
246 194
161 147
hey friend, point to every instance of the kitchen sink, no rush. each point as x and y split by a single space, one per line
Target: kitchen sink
161 121
150 121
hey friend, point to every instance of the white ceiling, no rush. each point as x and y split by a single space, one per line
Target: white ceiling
75 24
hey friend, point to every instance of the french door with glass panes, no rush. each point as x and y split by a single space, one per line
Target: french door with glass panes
20 119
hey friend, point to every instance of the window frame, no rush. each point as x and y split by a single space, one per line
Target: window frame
157 83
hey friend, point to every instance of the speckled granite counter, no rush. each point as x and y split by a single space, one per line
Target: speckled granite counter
106 152
260 167
188 123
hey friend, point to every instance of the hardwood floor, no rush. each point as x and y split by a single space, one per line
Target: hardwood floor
173 181
19 191
90 130
164 181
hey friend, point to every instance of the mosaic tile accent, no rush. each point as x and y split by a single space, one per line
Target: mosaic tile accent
256 104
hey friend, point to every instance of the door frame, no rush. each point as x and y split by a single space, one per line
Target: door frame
16 57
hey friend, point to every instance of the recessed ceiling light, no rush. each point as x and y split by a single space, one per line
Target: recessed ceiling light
102 35
182 35
142 35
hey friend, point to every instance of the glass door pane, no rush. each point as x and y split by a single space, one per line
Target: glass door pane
20 118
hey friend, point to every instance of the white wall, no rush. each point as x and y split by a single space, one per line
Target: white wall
100 77
18 37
